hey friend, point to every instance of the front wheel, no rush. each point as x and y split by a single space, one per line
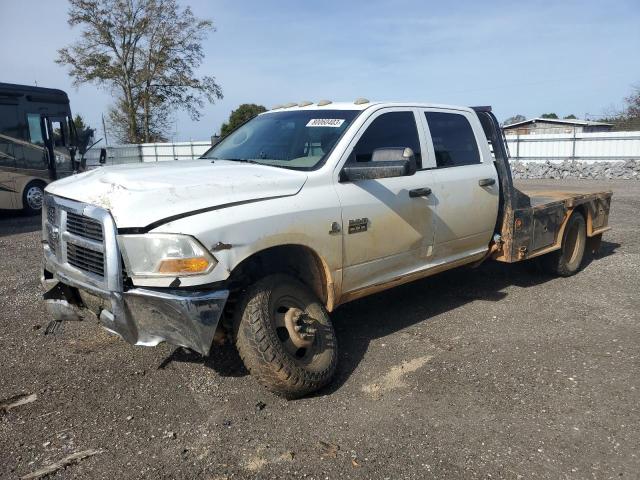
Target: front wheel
32 198
285 337
568 260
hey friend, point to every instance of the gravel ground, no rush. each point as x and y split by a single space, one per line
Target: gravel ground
497 372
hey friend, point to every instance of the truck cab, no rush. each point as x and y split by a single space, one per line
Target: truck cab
299 210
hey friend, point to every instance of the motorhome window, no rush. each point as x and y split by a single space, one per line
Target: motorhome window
59 133
8 133
35 129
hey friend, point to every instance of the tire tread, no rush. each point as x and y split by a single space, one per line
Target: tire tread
261 350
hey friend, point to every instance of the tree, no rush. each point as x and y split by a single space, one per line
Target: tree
629 118
549 115
85 133
632 109
146 53
240 115
570 117
515 119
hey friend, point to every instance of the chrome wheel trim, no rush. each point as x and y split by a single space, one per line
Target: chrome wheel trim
34 197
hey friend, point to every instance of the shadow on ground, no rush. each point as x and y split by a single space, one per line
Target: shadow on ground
359 322
223 359
15 223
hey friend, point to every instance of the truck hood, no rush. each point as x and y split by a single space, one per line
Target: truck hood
142 194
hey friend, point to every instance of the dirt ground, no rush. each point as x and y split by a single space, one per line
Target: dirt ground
496 372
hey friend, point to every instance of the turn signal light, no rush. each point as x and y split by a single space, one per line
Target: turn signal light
183 265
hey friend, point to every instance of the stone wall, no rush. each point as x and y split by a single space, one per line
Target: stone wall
626 169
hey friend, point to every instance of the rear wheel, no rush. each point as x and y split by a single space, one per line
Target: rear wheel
285 337
568 260
32 198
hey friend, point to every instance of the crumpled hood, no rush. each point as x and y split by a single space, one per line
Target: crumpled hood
138 195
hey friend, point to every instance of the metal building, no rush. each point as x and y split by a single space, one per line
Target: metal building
552 125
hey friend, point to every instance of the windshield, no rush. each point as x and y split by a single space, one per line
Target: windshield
295 139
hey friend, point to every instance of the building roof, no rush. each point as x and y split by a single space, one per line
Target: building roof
559 121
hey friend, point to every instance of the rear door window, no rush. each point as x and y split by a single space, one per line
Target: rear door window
453 139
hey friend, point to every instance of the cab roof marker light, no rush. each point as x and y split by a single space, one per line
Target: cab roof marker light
305 103
289 105
276 107
322 103
360 101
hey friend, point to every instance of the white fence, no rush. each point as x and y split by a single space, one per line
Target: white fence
159 152
577 146
149 152
556 147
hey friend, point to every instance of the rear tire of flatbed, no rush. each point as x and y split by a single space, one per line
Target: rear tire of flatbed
569 258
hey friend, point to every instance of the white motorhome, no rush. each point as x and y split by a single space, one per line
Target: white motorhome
37 144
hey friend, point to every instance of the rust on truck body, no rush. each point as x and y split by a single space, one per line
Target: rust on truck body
536 226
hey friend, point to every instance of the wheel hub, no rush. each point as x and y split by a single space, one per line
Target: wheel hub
34 198
300 327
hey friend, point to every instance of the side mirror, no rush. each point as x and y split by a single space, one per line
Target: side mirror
103 156
385 163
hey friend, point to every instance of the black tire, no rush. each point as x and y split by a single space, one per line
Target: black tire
569 258
269 353
32 197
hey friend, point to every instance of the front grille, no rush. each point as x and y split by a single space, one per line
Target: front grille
53 238
51 215
85 259
79 241
84 227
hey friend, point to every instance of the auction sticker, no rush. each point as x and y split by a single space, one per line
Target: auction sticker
325 122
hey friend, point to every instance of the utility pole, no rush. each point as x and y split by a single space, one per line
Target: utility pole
104 130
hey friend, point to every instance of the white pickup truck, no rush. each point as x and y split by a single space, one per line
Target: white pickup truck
299 210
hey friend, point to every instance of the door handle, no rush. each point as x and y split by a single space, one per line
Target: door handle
486 182
420 192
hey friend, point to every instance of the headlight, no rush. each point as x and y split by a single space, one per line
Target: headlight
164 255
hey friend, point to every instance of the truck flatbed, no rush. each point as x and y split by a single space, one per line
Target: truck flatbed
541 195
532 219
540 215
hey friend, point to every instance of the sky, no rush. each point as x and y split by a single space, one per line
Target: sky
528 58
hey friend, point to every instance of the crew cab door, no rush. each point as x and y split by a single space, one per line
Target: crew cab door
467 186
386 232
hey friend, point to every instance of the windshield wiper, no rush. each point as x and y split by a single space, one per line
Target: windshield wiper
242 160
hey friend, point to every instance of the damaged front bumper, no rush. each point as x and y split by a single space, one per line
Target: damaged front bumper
141 316
82 275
